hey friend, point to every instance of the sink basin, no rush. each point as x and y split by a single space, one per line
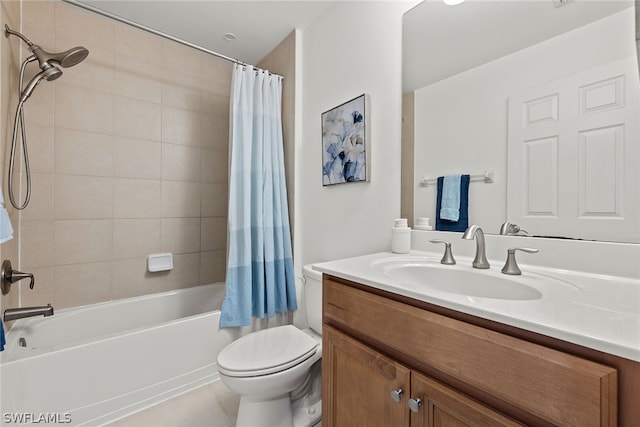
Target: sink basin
421 274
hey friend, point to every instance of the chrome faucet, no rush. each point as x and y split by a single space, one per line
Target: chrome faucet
480 261
22 312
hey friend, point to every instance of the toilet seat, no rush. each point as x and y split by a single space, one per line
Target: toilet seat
266 352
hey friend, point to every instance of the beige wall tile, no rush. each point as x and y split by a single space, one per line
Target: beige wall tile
81 108
41 202
180 163
215 200
38 23
180 199
182 93
40 148
214 234
135 238
213 266
75 26
215 104
39 108
81 284
185 273
214 131
136 198
180 126
83 197
216 76
137 119
94 72
137 79
37 244
139 45
137 158
83 153
178 61
131 278
181 235
215 166
82 241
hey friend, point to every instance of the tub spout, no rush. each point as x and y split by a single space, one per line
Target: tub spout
22 312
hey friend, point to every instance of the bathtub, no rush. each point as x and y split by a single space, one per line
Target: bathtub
94 364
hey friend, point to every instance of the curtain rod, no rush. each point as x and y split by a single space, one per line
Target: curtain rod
157 33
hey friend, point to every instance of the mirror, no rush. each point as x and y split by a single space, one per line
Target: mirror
464 65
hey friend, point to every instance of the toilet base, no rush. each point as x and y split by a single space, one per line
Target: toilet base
274 412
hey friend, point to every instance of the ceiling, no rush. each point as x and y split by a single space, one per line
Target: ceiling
259 26
440 41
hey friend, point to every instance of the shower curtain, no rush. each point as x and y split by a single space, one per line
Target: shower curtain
260 279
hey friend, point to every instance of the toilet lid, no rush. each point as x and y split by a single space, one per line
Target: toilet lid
267 351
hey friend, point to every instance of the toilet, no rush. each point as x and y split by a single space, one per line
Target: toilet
269 367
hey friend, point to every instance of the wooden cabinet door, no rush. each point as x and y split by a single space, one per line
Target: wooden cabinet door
442 406
357 385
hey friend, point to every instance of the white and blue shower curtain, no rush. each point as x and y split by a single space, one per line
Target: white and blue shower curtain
260 277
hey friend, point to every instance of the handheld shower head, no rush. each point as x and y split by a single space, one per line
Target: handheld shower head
51 73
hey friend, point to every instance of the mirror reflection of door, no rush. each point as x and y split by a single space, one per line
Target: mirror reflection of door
461 65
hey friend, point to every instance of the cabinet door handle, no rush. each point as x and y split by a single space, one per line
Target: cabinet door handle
396 395
415 404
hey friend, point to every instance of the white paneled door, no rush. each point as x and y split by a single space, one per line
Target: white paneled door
573 155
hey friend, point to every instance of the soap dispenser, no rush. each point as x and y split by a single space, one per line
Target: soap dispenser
400 237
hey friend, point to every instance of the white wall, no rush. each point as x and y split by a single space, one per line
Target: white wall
461 122
352 49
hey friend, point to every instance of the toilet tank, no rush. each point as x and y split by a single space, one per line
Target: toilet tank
312 293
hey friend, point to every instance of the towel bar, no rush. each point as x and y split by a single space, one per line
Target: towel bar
486 177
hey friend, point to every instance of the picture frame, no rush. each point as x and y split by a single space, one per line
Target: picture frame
345 151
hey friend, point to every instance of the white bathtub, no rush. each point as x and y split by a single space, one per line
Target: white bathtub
94 364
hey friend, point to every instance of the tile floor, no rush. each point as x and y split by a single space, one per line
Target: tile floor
211 405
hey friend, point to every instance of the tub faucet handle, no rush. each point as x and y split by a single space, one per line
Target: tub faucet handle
8 276
447 258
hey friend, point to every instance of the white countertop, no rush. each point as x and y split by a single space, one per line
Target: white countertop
600 312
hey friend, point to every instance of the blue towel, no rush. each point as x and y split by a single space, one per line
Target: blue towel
450 206
6 230
463 217
3 341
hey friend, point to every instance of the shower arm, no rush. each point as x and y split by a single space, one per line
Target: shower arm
8 31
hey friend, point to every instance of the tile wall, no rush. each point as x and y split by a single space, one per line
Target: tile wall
9 64
129 153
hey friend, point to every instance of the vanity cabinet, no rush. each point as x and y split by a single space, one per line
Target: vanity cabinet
463 374
366 388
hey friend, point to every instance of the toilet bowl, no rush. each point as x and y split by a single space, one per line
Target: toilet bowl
264 367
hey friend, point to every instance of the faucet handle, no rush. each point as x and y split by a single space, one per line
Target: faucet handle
8 276
509 229
511 266
447 258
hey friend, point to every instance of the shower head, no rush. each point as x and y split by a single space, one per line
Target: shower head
65 59
48 62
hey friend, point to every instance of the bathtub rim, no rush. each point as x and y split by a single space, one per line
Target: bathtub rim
22 353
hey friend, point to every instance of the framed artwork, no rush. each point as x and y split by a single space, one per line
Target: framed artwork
344 143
